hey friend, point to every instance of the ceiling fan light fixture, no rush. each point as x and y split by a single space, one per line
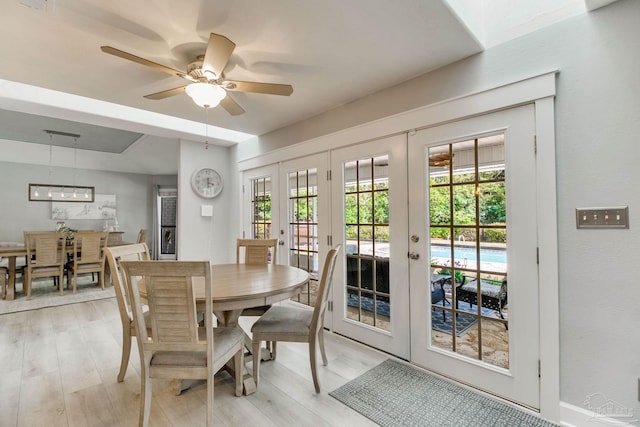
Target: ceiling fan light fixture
205 95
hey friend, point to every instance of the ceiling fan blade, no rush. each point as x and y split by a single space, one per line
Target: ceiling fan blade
217 55
122 54
166 93
231 106
268 88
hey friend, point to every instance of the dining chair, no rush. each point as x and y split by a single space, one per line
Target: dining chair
45 258
258 252
297 324
142 236
114 255
178 347
87 256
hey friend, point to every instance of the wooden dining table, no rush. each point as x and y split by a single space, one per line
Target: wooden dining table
235 287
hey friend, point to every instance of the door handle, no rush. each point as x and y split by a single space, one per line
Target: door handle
413 255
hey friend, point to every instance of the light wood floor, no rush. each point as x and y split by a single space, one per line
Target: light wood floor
58 367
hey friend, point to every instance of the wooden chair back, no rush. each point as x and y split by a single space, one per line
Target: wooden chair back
87 256
45 257
256 251
88 247
176 347
115 255
172 308
142 236
317 321
45 249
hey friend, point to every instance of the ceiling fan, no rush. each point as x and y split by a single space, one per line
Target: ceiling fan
208 86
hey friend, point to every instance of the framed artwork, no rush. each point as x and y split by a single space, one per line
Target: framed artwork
104 207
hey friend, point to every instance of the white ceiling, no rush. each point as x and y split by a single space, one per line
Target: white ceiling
332 52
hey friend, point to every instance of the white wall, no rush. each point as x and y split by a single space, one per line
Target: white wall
202 238
18 214
597 124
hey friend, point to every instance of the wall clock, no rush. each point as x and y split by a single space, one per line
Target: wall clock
207 183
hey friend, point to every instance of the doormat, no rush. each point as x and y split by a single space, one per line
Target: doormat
463 321
396 394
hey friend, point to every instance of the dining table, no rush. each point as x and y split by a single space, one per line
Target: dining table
236 287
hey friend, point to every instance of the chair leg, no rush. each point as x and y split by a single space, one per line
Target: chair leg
325 362
27 285
255 350
145 396
314 364
210 387
126 351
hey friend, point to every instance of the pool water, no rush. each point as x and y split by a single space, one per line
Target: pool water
462 253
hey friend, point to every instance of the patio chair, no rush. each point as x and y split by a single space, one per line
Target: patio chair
493 295
178 347
297 324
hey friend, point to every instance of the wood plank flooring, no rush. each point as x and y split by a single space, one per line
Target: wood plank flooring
58 367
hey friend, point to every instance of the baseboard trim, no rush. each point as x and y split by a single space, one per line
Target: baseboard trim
571 415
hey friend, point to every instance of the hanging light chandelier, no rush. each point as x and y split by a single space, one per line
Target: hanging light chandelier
61 193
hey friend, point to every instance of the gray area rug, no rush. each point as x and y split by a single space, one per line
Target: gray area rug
395 394
45 294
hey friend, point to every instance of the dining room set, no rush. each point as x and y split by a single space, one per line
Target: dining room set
63 253
184 315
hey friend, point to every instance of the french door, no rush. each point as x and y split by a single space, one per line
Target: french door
305 219
473 272
260 219
439 235
369 217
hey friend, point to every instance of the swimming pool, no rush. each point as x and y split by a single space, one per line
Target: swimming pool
469 254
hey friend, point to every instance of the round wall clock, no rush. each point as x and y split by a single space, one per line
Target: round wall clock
207 183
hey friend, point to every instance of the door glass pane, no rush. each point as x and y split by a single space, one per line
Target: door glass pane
303 228
366 215
261 208
468 241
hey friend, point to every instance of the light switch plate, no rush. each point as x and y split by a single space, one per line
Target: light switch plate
206 210
613 217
